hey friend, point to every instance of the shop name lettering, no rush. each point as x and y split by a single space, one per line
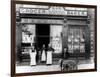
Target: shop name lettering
42 11
53 11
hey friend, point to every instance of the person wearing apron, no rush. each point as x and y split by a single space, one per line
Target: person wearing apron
49 55
43 57
33 56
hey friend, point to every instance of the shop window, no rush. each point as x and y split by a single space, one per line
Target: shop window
56 37
76 40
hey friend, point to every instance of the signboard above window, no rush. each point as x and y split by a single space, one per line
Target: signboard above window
55 10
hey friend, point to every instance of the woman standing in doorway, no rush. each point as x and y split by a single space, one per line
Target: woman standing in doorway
33 56
49 55
43 57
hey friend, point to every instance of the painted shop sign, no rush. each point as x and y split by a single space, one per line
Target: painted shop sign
54 11
48 21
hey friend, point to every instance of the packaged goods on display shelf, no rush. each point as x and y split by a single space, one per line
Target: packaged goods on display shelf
27 38
57 44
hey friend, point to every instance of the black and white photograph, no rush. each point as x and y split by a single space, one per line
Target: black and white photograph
52 38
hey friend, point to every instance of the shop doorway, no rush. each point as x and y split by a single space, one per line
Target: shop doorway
42 35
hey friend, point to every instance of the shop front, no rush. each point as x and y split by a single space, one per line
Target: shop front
58 26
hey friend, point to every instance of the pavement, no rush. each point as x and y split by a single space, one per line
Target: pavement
38 68
25 68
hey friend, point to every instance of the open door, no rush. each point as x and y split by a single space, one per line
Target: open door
42 35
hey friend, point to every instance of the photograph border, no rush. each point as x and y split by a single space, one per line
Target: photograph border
13 37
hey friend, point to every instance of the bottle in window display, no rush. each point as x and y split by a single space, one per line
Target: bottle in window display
82 40
69 39
76 48
82 48
73 36
76 40
70 48
78 36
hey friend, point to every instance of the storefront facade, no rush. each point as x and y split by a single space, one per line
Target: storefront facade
62 27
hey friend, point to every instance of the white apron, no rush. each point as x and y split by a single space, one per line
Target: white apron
43 58
33 58
49 57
